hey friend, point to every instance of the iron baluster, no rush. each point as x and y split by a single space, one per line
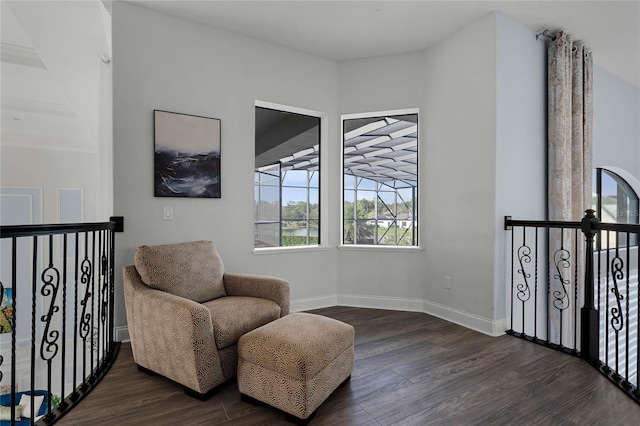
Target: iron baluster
49 346
575 294
590 326
45 344
51 281
561 296
617 321
33 318
524 292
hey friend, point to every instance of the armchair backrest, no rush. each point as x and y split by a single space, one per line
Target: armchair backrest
193 270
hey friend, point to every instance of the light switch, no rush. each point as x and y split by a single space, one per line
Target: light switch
168 213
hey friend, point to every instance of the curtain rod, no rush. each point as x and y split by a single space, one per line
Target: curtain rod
546 33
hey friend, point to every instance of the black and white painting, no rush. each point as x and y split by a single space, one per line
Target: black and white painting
187 155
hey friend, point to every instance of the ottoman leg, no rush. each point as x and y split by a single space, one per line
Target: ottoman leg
250 400
298 421
344 383
289 417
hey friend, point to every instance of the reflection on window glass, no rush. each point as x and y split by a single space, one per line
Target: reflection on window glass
614 202
380 193
287 170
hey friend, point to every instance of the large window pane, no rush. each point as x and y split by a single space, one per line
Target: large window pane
380 166
614 202
287 178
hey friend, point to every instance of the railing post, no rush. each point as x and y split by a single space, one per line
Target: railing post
590 325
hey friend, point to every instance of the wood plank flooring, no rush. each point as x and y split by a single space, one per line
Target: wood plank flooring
410 369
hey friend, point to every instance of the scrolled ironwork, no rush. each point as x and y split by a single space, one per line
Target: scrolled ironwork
617 272
105 287
47 288
524 256
561 296
85 316
50 284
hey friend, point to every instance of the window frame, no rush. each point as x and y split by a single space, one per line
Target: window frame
322 181
618 178
417 191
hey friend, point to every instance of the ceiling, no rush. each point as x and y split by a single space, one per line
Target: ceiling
54 75
347 30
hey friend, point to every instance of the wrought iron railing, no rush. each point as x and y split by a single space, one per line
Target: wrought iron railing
575 287
57 285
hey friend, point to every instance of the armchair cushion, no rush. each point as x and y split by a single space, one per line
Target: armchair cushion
192 270
233 316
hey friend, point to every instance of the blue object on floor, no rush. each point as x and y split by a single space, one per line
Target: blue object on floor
6 401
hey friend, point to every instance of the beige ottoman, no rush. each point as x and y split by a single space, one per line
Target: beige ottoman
294 363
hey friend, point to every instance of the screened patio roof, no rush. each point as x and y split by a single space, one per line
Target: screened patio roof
383 149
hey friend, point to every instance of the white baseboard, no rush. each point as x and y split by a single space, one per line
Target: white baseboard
475 322
465 319
121 334
379 302
313 303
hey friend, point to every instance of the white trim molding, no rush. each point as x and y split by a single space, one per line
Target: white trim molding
475 322
310 303
121 334
381 302
484 325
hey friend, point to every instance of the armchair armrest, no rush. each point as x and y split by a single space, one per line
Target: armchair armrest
171 335
270 288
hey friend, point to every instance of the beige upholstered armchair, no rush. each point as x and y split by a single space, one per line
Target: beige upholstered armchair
185 314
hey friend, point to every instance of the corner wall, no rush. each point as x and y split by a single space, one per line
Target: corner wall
521 139
162 62
459 117
483 142
616 122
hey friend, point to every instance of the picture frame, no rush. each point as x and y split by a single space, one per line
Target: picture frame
186 155
6 309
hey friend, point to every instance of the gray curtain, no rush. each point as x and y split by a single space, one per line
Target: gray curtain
570 109
570 85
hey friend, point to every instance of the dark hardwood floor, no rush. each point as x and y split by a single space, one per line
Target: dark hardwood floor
410 369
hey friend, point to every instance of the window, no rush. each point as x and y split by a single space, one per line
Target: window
286 178
380 179
614 202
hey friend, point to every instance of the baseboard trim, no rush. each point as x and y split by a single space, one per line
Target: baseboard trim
379 302
121 334
311 303
475 322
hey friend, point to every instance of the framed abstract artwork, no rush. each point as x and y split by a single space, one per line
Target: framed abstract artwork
187 155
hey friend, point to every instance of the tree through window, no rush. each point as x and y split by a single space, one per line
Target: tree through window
286 179
380 181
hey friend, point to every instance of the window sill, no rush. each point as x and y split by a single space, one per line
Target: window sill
291 249
397 249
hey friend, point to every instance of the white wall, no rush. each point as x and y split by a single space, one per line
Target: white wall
616 122
521 138
161 62
56 104
482 108
460 170
378 276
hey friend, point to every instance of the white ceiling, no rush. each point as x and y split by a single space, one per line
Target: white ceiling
346 30
52 73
